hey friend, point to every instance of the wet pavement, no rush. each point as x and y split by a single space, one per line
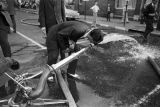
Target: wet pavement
113 74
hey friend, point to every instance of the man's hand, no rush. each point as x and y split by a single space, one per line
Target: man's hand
67 50
43 30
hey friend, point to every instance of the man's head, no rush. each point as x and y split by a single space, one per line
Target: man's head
96 36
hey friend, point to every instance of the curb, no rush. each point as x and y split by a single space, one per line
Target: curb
114 27
24 21
28 11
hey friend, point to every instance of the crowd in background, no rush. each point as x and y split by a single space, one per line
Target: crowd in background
29 4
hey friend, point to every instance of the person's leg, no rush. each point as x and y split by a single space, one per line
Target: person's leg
14 23
148 29
53 51
109 16
6 49
94 19
73 64
72 67
62 54
52 56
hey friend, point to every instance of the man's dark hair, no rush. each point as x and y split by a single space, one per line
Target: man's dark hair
97 36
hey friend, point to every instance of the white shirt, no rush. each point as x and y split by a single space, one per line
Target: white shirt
95 8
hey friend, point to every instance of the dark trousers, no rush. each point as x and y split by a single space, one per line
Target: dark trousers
108 16
13 21
149 27
6 49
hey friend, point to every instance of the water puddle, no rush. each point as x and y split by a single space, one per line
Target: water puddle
117 70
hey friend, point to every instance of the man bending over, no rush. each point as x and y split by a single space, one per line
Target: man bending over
63 37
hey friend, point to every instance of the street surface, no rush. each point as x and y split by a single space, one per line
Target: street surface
114 74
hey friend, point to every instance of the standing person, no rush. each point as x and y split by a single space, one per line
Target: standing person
51 12
108 12
149 15
95 10
4 30
7 62
64 37
11 9
125 15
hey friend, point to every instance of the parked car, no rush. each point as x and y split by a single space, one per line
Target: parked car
71 14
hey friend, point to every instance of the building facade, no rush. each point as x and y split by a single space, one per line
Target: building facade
134 7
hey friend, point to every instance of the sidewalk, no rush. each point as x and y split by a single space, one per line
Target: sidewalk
114 23
133 26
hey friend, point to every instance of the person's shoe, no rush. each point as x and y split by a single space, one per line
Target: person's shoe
51 78
13 64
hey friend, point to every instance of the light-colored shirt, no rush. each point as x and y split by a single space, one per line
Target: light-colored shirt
95 8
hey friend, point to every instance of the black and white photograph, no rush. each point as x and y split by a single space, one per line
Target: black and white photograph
80 53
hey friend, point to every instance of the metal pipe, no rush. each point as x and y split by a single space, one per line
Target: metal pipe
48 69
41 85
68 59
154 65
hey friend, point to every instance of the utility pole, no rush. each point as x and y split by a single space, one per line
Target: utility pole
141 13
158 13
125 13
85 9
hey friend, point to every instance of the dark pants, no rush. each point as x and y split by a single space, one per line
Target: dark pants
6 49
108 16
13 21
149 27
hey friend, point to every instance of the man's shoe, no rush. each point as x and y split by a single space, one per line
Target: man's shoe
51 78
14 65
